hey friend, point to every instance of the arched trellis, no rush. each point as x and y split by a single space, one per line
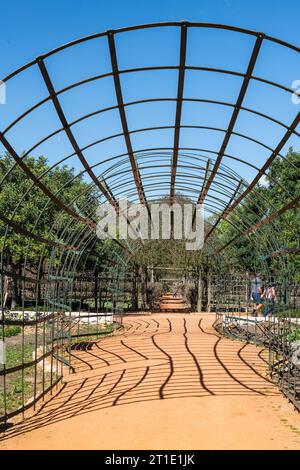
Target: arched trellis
198 172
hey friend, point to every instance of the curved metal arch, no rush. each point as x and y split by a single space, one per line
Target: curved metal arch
120 171
205 150
224 154
213 152
216 208
184 25
214 211
134 103
212 208
195 190
293 204
182 66
154 25
223 215
74 230
224 177
183 148
127 171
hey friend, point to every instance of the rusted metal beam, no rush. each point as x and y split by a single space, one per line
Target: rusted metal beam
261 172
267 164
234 116
27 233
205 179
132 103
181 75
293 204
46 191
224 213
70 134
40 185
119 95
149 26
103 187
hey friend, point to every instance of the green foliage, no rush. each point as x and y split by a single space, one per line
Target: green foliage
154 292
246 253
293 335
170 252
16 385
26 205
31 208
293 313
21 200
12 331
286 172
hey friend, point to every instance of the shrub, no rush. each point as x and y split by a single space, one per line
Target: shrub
12 331
153 294
293 335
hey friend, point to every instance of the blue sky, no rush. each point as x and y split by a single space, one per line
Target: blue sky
31 28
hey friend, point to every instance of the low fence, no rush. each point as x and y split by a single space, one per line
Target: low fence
36 352
280 335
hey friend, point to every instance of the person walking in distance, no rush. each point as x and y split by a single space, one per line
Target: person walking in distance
261 297
271 298
256 285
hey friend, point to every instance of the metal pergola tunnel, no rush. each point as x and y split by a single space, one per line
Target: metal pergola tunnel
94 121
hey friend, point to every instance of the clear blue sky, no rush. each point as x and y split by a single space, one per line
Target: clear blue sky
31 28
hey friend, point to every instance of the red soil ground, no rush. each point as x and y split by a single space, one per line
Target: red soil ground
167 381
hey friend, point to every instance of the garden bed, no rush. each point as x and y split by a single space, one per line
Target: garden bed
24 385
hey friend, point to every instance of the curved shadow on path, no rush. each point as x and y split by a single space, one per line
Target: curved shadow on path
163 358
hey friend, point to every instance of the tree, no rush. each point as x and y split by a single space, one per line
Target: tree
30 208
247 253
287 173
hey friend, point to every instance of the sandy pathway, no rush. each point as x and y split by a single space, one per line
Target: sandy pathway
167 382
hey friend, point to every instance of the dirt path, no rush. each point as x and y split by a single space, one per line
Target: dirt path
167 382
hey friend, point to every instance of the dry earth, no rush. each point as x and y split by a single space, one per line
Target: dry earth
167 381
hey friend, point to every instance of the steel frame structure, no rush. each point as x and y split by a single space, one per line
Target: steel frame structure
197 172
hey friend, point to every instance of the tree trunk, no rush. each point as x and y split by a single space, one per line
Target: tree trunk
200 292
40 279
135 292
96 290
5 289
144 289
100 299
15 296
247 292
209 291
